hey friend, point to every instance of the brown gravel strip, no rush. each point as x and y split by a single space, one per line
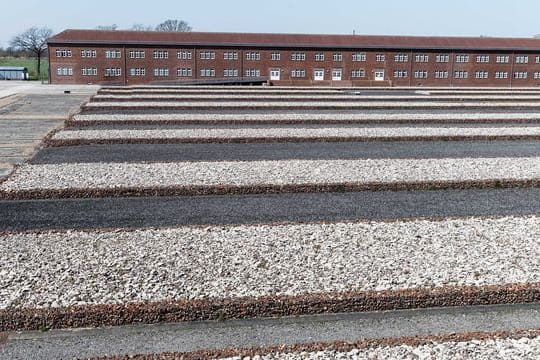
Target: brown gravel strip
339 346
263 189
16 319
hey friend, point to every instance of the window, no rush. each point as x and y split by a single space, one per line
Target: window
337 57
113 72
89 71
253 73
161 72
401 58
63 53
230 55
88 53
298 73
136 54
298 56
230 73
502 59
420 74
482 58
462 58
461 74
537 59
253 56
64 71
400 73
319 57
275 56
522 59
359 73
359 57
501 75
161 54
184 72
537 75
520 75
481 75
183 55
421 58
207 55
441 74
208 72
379 57
442 58
137 72
112 54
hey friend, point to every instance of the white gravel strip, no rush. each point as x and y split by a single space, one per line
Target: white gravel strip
490 349
76 268
279 172
331 132
313 104
303 116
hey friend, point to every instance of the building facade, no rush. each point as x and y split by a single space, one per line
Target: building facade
131 58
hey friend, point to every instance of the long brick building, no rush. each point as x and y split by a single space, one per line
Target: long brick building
132 57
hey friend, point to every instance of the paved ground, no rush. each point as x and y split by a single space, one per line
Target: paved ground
183 337
30 110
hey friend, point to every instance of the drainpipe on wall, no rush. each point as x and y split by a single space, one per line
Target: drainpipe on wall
512 70
125 66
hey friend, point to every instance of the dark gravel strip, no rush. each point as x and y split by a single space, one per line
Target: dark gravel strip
15 319
269 208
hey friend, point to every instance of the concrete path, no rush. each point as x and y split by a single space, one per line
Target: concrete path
183 337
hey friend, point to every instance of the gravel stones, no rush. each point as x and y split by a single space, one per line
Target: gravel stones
59 269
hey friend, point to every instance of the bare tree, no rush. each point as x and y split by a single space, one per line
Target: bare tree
141 27
33 40
174 26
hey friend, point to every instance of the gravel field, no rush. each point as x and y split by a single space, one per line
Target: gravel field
330 132
489 349
279 172
49 269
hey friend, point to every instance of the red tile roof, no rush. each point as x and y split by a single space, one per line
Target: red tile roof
202 39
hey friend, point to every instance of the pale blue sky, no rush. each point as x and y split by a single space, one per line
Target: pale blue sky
514 18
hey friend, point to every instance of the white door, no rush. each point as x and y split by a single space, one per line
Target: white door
275 74
379 75
318 74
336 74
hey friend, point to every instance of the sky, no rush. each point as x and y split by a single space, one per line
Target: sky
499 18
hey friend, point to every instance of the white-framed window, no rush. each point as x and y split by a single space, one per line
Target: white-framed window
208 72
207 55
421 58
482 58
230 55
462 58
230 72
400 73
520 75
359 57
253 73
420 74
184 72
358 73
298 56
88 53
113 54
502 59
113 72
160 54
137 54
522 59
183 55
401 58
481 74
253 56
501 75
64 71
63 53
275 56
137 72
379 57
298 73
161 72
319 57
89 71
441 74
460 74
442 58
537 59
537 75
337 57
